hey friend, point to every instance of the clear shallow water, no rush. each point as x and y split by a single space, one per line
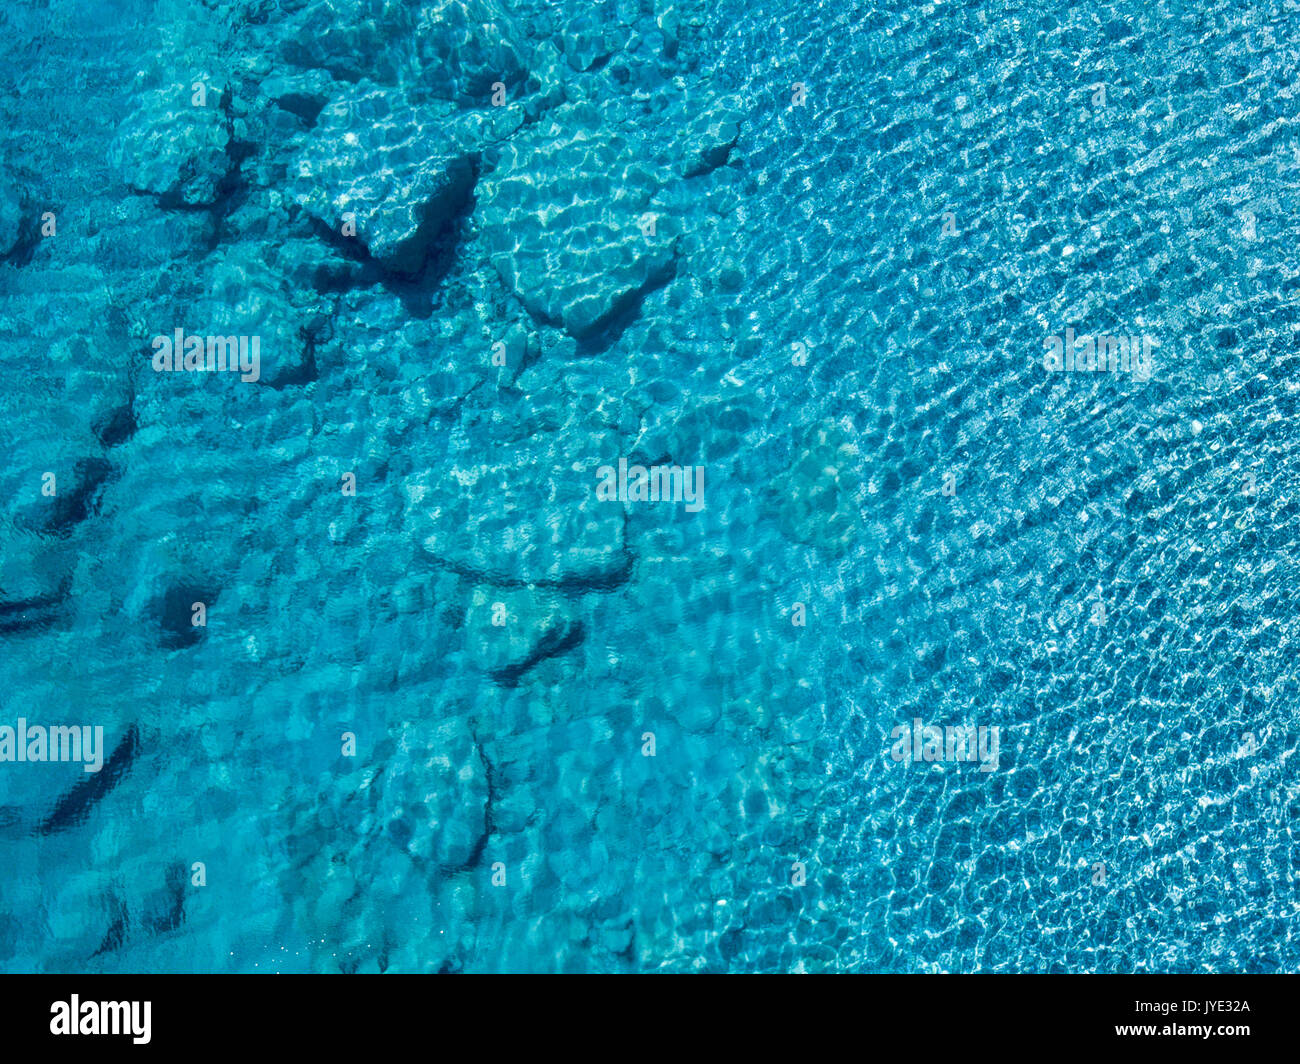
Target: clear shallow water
1129 825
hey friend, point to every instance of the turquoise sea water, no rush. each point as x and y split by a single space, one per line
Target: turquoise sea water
816 250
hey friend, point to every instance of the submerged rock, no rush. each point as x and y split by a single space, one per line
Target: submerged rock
390 173
592 35
248 298
818 497
435 793
709 138
465 47
571 221
251 315
513 630
351 39
170 148
516 512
